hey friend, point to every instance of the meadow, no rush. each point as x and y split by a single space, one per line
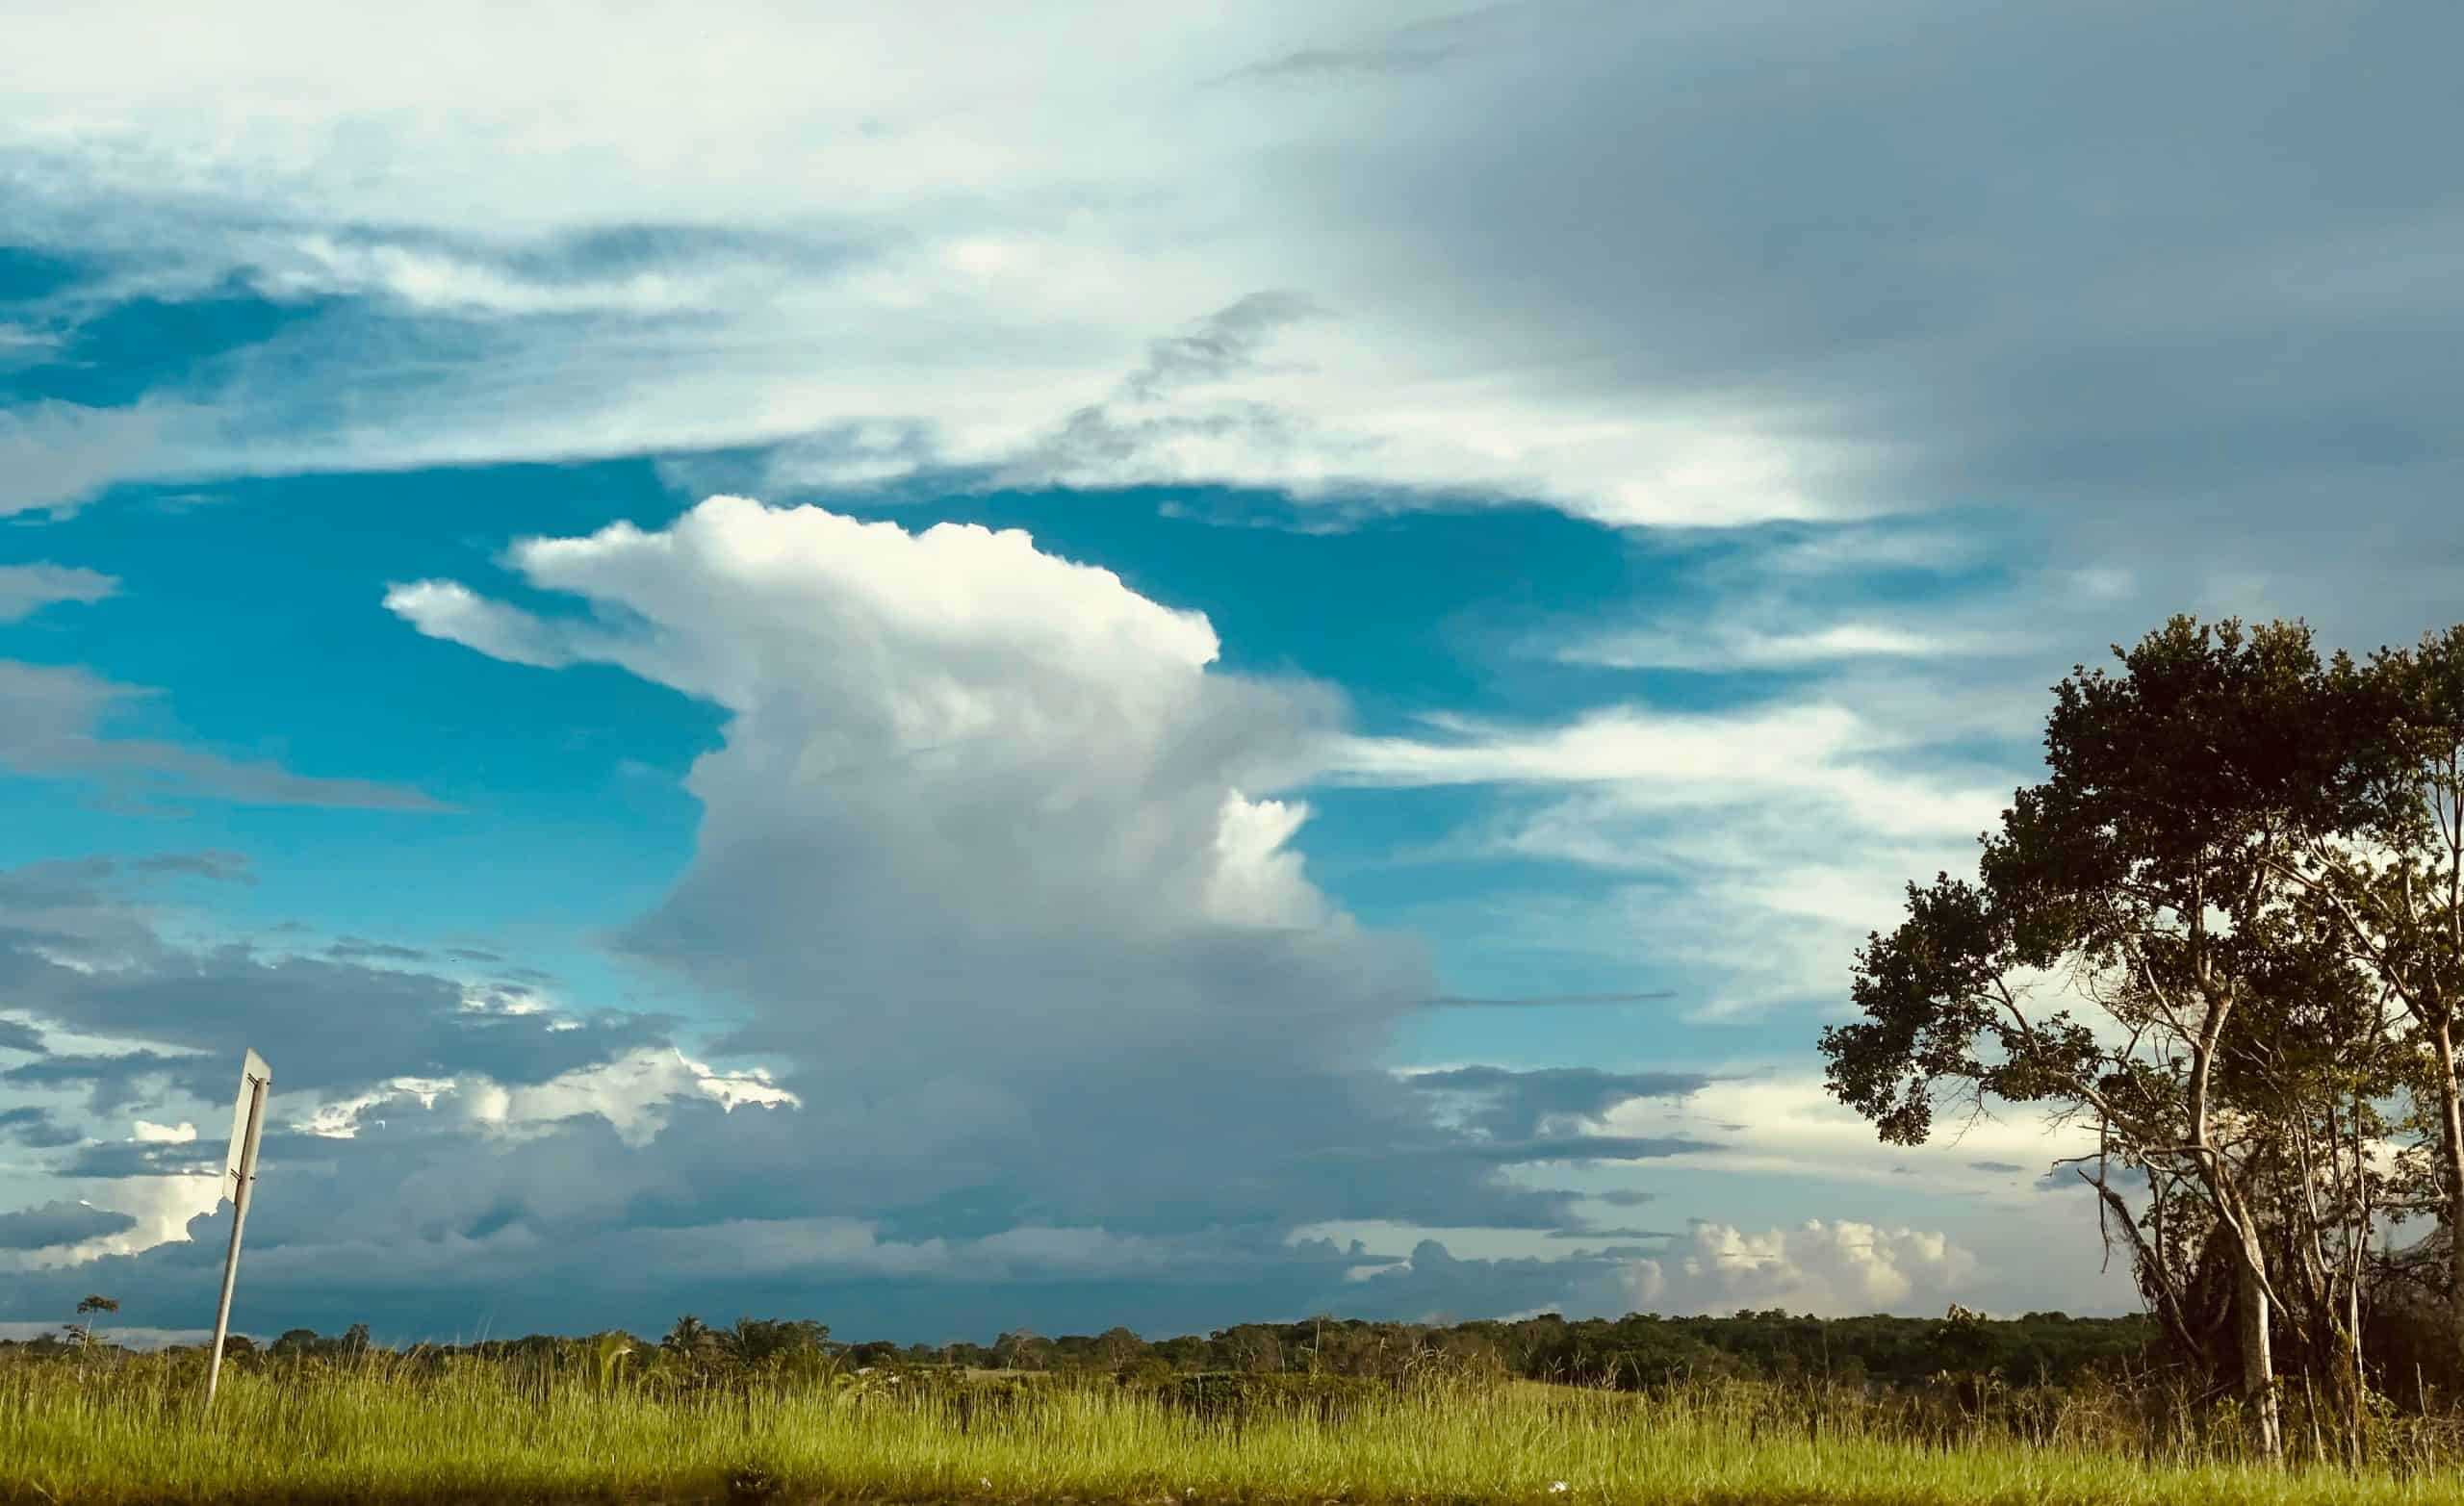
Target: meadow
388 1428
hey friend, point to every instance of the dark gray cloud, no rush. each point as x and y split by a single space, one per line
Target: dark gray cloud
1996 1166
326 1024
359 948
1505 1103
509 1279
1524 1152
406 1226
1094 441
17 1036
114 1160
224 867
1231 340
59 1223
32 1126
1439 1287
1543 1000
1097 442
2170 281
1404 50
117 1081
1342 63
34 888
2067 1179
75 954
1138 1183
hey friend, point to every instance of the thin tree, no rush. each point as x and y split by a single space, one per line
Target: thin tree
92 1303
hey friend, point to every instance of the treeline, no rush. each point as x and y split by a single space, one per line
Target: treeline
1630 1352
1635 1352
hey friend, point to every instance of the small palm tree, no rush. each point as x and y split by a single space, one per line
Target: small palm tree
690 1339
92 1304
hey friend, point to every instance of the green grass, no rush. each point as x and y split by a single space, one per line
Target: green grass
132 1432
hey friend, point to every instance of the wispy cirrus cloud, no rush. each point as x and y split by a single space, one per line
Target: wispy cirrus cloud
55 456
1749 850
27 589
52 721
1719 646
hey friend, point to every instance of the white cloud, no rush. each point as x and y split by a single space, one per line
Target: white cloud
1828 1268
143 1338
55 455
1722 646
1788 1124
966 253
437 280
160 1206
975 719
1395 1242
1643 758
447 609
1756 847
180 1133
19 344
631 1093
933 241
27 589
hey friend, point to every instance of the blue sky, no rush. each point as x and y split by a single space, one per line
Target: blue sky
826 664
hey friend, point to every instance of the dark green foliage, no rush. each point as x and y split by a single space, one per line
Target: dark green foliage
1331 1358
1641 1351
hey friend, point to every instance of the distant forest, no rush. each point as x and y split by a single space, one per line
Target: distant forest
1632 1352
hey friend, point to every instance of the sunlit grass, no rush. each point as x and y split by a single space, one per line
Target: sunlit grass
133 1432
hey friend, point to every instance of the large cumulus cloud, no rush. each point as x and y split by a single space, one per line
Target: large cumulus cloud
993 883
976 804
990 858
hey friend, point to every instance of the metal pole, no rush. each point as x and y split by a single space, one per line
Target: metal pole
246 1177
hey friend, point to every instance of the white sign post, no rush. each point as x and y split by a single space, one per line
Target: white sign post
238 1175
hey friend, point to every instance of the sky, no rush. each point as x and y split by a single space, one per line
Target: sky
953 668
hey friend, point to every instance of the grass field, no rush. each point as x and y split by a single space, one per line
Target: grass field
132 1432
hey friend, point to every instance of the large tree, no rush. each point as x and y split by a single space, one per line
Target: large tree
2134 956
2389 887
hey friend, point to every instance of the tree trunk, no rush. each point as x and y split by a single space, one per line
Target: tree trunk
2450 1127
2258 1357
2357 1379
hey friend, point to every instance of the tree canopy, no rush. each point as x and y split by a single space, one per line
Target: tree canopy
2223 933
